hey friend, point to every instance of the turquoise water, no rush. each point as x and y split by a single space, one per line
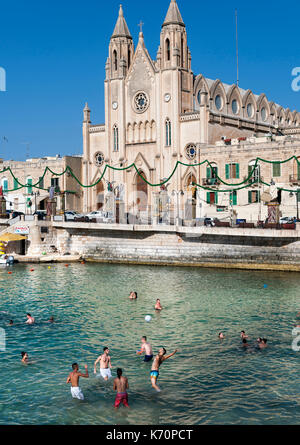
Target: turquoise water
208 382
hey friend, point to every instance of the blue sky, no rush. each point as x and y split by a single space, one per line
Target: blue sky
54 54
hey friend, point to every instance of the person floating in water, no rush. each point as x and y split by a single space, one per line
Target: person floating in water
73 378
30 319
221 335
121 386
159 359
51 319
147 349
158 306
105 364
133 296
10 323
25 358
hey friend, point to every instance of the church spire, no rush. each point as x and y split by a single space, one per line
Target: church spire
121 28
173 16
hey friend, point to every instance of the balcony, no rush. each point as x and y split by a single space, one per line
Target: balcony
254 181
212 182
294 180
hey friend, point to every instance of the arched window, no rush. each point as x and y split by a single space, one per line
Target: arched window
116 138
168 133
115 57
168 52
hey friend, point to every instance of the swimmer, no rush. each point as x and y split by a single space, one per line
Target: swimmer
30 319
243 335
158 306
244 343
263 343
133 296
51 319
10 323
73 378
147 349
159 359
121 386
221 335
25 358
105 364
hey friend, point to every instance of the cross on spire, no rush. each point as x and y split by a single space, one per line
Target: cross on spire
141 26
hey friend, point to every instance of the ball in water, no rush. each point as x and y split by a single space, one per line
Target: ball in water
148 318
265 286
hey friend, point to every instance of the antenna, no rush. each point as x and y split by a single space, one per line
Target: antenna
237 48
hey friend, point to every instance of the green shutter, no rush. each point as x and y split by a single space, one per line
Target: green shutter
208 173
16 185
249 197
29 188
237 171
258 196
208 197
276 170
216 197
5 185
234 198
227 171
298 169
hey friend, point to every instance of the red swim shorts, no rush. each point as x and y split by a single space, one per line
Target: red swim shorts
121 397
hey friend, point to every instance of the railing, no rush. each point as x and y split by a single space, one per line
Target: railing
294 179
211 182
14 220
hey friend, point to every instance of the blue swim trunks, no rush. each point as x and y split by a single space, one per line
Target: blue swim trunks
148 358
154 374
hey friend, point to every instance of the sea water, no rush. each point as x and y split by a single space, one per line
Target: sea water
208 381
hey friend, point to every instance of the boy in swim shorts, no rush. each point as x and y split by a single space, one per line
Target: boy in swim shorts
73 378
147 349
105 364
159 359
121 386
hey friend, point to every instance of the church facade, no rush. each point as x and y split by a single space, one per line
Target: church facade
158 112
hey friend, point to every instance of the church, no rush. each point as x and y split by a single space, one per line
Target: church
158 112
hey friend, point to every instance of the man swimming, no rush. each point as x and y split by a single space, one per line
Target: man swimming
30 319
159 359
133 295
105 364
25 358
158 306
147 349
221 335
121 386
73 378
263 343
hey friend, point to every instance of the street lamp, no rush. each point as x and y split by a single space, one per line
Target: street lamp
177 193
297 201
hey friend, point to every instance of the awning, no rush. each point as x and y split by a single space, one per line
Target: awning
7 237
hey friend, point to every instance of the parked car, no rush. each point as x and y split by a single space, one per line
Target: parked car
209 222
287 220
41 214
95 215
71 215
15 214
